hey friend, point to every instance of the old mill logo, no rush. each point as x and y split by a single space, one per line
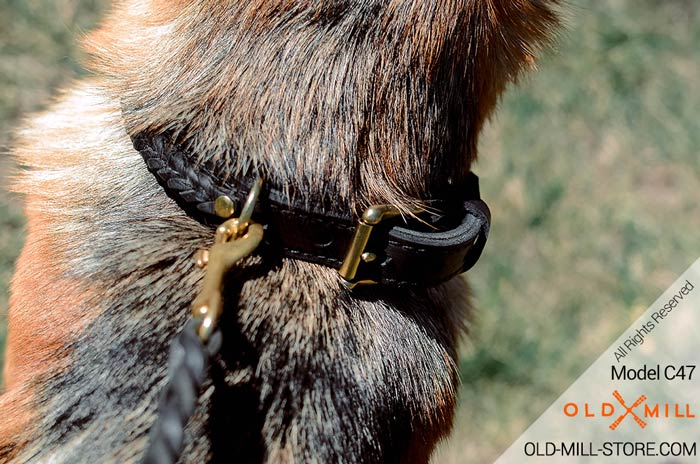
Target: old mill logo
640 411
629 410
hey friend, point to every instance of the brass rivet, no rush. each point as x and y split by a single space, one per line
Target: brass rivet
223 206
368 257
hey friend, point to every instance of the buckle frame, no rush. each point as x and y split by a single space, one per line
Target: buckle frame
357 253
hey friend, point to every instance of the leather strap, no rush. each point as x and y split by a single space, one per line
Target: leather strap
408 252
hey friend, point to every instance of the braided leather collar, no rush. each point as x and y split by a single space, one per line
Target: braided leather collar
398 251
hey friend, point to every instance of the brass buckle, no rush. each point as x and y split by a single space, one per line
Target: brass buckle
357 253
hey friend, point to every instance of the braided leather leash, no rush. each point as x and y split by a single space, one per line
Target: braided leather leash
188 362
200 339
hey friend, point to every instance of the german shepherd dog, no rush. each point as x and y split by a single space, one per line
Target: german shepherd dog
370 102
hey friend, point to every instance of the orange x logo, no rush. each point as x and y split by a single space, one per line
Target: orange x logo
628 410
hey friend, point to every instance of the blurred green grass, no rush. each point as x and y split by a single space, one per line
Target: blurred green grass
590 166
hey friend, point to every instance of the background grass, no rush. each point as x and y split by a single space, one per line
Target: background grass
591 169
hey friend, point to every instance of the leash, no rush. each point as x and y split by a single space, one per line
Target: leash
382 247
187 366
200 339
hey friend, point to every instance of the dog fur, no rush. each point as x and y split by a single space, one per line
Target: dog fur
359 102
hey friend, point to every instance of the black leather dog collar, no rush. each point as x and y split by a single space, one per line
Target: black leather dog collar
395 251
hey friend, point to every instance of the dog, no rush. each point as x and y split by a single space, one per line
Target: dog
354 102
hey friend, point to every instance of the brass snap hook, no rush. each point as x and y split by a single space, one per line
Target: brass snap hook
234 240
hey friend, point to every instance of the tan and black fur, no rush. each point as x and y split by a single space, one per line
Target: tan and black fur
373 101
